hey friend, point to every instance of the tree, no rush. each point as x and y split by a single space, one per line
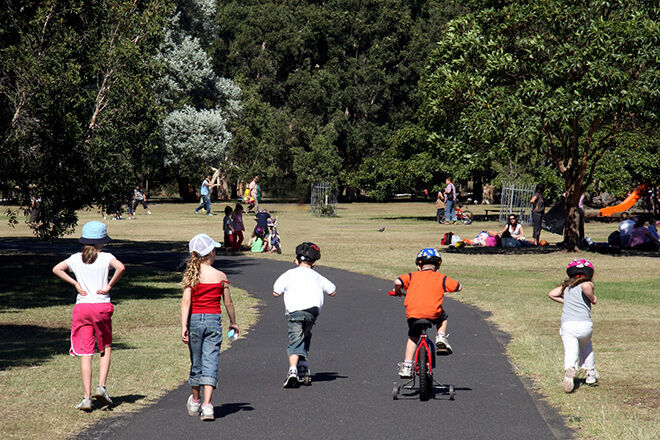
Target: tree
337 66
199 103
573 81
76 105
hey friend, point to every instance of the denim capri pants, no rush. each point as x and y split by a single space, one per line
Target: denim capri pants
205 333
300 325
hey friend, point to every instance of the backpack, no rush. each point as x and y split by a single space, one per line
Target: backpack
446 239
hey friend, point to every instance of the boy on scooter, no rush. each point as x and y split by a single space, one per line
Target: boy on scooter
425 292
303 289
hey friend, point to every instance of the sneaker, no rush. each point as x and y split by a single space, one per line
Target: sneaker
196 212
568 384
304 373
85 404
209 214
291 379
442 345
592 377
193 407
405 370
102 394
207 412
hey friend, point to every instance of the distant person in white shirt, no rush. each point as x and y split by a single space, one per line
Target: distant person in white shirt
303 289
92 315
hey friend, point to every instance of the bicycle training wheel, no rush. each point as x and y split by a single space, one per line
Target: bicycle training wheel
467 217
425 379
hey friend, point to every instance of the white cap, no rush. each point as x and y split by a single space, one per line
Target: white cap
202 244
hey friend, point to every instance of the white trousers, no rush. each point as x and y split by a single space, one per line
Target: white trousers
576 336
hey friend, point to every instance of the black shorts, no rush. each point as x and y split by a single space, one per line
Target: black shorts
415 332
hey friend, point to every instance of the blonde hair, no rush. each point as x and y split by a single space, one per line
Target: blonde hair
193 270
89 254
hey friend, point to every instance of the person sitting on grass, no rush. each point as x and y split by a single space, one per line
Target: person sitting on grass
303 289
92 314
258 241
512 229
426 289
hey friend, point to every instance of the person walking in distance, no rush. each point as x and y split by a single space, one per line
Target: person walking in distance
205 192
450 200
254 192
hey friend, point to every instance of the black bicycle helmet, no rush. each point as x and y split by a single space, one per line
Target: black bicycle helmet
428 256
308 252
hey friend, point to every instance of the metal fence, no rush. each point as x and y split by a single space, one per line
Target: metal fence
324 199
515 200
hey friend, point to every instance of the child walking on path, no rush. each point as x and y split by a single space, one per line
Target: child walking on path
425 293
237 224
303 290
92 315
201 321
228 229
577 295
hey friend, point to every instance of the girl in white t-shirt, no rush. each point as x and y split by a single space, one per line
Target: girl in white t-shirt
91 318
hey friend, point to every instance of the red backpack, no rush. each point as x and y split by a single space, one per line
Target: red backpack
446 239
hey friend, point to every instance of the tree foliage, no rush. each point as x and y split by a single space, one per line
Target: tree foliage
337 73
571 81
76 106
198 101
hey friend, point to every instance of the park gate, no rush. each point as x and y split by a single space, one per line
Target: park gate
515 200
324 199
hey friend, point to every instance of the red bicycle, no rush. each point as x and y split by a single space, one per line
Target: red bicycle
424 362
464 216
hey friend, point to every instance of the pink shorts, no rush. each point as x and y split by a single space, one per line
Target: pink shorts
90 322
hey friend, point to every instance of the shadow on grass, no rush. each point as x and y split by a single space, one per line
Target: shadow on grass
30 345
407 217
27 281
119 400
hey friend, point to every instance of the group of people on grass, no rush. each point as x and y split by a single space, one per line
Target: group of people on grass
638 233
303 290
233 227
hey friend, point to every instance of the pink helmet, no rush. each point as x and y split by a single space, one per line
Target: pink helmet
580 267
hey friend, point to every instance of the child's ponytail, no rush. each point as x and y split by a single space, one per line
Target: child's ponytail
89 254
191 274
574 281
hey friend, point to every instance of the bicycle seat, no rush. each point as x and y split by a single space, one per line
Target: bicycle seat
422 324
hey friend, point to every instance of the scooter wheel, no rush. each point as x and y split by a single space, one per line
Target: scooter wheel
307 380
452 394
395 392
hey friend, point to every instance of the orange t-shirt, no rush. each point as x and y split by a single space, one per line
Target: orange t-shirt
426 290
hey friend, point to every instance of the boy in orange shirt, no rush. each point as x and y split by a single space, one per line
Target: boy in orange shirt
425 292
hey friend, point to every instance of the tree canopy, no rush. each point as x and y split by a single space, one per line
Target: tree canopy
76 108
568 82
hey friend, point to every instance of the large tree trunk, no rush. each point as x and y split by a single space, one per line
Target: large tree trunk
574 189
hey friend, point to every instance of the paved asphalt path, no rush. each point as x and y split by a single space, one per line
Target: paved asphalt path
356 344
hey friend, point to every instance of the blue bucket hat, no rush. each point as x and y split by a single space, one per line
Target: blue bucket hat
94 232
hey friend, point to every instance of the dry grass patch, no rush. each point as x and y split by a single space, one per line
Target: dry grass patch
513 288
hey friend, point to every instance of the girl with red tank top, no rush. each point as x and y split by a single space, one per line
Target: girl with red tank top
201 321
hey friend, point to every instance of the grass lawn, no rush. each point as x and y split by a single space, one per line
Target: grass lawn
513 288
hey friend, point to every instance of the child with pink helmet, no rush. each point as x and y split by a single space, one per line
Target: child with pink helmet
576 293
